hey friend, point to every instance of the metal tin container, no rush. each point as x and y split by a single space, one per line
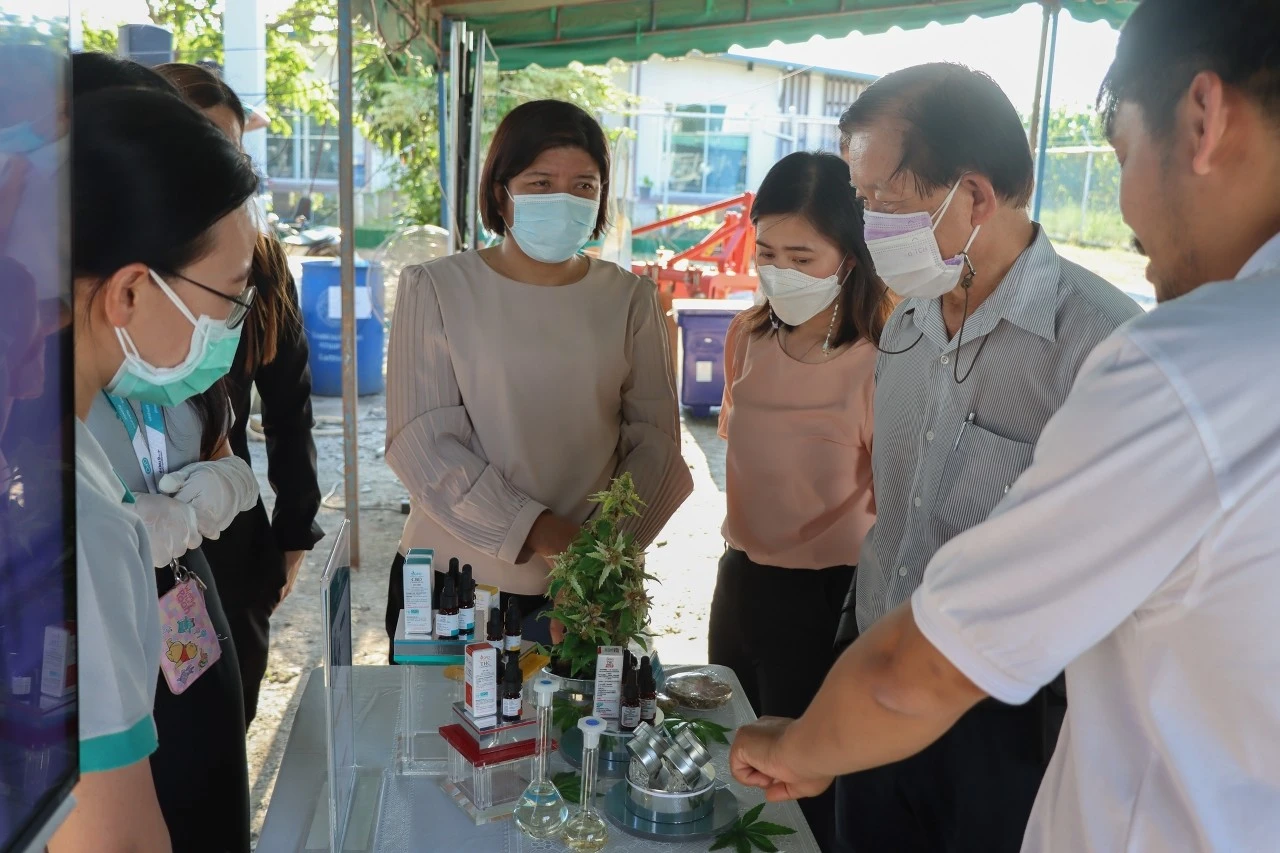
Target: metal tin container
674 808
676 759
699 753
644 749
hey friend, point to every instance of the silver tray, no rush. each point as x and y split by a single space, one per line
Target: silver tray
723 815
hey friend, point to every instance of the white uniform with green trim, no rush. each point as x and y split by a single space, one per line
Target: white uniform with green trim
118 623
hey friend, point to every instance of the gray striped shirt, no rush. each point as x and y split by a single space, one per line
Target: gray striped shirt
945 454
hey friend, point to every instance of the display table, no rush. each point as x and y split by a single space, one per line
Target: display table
408 814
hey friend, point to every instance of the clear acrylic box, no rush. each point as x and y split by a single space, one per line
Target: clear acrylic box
427 696
485 784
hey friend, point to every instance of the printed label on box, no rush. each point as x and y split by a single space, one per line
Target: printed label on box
608 694
481 672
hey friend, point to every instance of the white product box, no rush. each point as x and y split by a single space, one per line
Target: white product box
418 578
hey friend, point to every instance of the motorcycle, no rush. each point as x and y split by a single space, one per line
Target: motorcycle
299 240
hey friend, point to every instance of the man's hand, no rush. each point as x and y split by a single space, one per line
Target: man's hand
758 759
293 561
551 535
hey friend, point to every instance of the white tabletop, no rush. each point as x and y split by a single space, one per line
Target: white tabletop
414 813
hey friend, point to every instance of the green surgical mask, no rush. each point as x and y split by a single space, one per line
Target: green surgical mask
209 358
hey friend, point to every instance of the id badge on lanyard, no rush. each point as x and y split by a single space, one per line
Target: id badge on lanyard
191 644
148 440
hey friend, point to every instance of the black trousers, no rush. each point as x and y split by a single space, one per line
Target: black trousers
533 626
775 628
250 571
971 791
200 767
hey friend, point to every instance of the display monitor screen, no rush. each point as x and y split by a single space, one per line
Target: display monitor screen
38 704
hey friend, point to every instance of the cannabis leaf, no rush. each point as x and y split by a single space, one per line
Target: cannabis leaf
706 730
750 833
569 784
565 714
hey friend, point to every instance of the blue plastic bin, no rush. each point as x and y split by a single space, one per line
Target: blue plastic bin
322 322
703 325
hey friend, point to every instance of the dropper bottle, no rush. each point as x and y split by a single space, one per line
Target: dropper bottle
467 604
513 640
648 692
447 615
586 831
494 634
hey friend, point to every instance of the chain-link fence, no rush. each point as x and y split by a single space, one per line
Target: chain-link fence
1081 201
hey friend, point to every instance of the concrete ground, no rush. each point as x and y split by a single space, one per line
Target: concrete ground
684 557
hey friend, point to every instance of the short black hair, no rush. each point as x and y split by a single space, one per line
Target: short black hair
522 136
137 194
956 120
1165 44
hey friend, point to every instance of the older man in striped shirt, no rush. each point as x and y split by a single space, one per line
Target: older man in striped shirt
982 350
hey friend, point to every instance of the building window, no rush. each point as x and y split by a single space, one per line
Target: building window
309 154
706 159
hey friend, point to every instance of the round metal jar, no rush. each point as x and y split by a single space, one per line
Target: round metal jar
664 807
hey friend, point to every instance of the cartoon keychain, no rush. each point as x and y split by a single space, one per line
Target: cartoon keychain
191 645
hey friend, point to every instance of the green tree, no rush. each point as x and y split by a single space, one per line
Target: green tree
397 109
292 37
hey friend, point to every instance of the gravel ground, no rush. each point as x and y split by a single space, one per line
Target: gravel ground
684 558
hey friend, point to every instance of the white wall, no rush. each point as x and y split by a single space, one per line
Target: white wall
704 81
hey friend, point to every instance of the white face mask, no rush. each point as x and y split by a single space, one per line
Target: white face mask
796 297
552 227
906 252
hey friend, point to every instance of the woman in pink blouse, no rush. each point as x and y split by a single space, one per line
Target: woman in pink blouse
799 381
524 377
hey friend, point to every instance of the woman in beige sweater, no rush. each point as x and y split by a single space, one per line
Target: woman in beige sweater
524 377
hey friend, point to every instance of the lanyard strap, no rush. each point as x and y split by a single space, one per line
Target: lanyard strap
148 439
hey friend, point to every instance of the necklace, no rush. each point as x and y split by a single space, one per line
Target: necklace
831 327
826 344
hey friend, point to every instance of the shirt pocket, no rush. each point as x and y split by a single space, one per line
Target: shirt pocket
977 474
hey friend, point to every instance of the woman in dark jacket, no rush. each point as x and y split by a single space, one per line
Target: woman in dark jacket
256 560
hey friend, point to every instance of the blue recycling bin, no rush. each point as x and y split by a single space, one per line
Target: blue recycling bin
322 322
703 325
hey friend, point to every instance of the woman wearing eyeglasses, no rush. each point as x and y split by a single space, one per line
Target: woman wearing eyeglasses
160 255
166 442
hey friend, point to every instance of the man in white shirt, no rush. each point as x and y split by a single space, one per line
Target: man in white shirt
1141 549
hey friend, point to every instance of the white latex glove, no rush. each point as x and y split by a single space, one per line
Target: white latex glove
171 526
218 491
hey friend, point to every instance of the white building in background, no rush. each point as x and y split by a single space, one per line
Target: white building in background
708 128
306 160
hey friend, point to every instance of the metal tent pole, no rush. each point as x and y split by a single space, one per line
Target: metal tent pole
347 222
442 146
1035 103
1046 107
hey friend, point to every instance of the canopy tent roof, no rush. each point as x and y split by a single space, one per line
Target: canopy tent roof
554 33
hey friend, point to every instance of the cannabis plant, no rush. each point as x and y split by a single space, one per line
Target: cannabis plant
598 585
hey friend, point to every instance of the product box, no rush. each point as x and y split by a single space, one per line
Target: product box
486 598
608 682
418 578
481 670
58 666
